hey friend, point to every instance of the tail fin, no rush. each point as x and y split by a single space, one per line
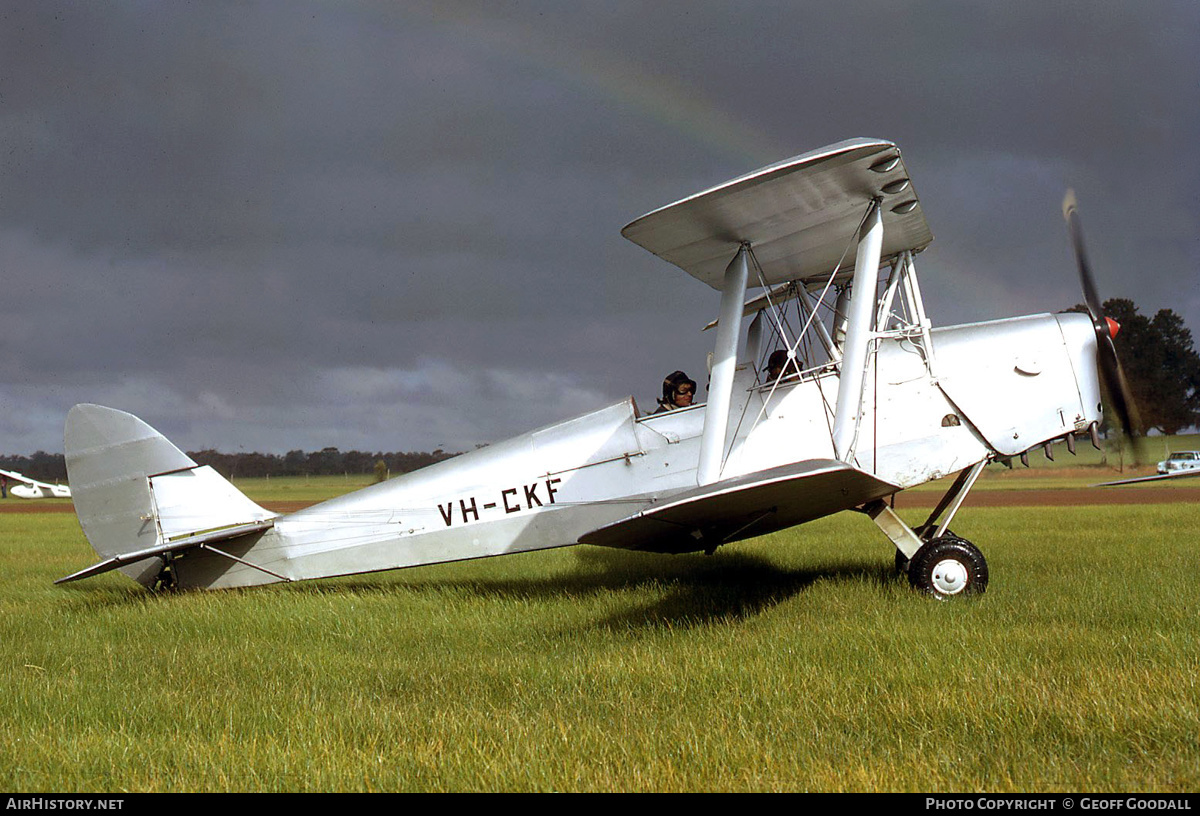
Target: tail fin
140 499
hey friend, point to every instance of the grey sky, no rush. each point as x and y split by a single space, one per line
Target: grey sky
395 226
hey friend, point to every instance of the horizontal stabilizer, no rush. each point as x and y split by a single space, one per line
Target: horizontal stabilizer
175 546
742 507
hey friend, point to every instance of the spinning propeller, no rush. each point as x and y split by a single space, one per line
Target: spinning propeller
1111 375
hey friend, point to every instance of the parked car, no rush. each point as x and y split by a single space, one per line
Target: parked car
1179 461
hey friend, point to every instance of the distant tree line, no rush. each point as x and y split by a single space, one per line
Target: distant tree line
45 467
1161 364
51 467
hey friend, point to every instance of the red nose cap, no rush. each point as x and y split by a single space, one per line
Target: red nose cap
1113 327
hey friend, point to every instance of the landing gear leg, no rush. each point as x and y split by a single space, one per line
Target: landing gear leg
935 560
951 501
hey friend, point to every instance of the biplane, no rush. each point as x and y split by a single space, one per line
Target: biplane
27 488
815 256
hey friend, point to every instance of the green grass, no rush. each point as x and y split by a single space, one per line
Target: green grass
792 662
302 488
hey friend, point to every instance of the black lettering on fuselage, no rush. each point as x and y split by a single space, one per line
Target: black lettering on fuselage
472 509
469 507
504 494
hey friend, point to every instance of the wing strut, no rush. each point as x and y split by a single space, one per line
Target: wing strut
720 389
858 335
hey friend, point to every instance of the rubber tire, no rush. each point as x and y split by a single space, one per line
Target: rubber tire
948 547
902 561
927 532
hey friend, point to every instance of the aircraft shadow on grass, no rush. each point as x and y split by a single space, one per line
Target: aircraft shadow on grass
691 591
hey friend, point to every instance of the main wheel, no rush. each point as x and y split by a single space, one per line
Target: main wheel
925 532
949 566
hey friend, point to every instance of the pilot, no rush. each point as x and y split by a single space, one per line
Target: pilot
776 364
678 392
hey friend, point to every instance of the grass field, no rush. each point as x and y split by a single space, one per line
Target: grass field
792 662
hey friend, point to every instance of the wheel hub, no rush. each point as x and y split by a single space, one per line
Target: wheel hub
950 576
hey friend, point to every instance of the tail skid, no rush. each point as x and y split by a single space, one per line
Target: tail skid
141 500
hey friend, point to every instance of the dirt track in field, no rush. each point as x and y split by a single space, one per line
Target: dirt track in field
1060 497
1015 497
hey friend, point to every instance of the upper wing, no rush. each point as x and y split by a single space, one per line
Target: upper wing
800 215
742 507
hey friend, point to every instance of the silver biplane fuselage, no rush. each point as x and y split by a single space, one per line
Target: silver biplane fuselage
890 404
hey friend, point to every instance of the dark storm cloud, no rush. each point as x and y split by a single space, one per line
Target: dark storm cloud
395 225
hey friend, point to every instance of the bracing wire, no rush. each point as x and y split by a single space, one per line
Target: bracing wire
813 313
